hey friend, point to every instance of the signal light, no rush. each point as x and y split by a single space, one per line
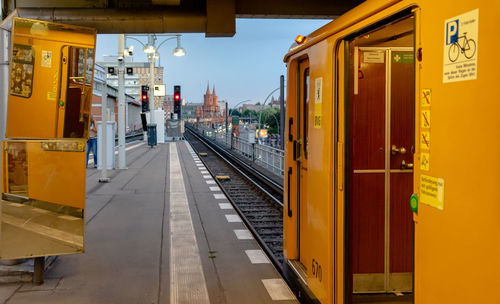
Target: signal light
300 39
177 101
145 98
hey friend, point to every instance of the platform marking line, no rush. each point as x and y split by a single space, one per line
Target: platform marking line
214 188
278 290
232 218
210 182
187 281
243 234
225 206
219 196
207 176
204 172
257 256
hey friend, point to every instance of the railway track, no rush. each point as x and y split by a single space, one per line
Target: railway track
258 203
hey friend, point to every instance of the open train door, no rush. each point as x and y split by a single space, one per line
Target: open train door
379 175
48 102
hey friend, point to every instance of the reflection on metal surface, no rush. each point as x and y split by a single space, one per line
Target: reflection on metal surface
28 230
17 168
43 198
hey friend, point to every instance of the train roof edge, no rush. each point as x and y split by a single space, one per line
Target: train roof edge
351 17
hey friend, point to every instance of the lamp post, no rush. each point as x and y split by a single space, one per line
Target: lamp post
152 51
260 112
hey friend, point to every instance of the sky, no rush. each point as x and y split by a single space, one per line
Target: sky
246 66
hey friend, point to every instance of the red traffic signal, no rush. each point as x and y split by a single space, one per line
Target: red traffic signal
145 98
177 93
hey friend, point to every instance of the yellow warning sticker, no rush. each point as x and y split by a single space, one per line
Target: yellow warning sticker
425 140
46 59
317 121
318 105
425 160
426 97
432 191
425 119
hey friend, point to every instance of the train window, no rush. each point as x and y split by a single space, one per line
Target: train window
306 107
21 73
89 66
77 109
17 166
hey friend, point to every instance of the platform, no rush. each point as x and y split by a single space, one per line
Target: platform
160 232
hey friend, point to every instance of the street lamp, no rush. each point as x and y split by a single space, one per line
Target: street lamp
179 51
260 112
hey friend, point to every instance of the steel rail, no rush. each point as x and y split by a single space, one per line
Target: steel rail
276 187
248 224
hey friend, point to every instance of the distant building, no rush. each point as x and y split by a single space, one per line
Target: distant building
223 106
189 110
210 110
132 110
252 107
168 105
275 103
133 82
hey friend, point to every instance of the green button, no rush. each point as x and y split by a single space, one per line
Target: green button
61 103
414 203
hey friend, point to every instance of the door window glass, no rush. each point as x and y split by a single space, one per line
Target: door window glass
21 72
78 97
306 107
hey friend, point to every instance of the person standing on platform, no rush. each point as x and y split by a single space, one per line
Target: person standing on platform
92 142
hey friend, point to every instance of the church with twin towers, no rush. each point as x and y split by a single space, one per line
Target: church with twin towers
210 110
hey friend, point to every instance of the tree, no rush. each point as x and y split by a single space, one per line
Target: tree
234 112
249 113
271 118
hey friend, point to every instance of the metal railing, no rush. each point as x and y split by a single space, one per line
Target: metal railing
265 156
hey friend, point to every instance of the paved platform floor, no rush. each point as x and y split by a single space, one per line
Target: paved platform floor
159 232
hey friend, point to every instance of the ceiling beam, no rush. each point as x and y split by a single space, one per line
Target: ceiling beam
220 18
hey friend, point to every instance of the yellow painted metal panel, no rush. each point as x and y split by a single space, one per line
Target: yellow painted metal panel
56 176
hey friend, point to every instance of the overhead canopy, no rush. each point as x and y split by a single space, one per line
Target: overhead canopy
216 18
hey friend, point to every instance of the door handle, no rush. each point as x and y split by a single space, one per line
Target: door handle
395 150
290 123
288 192
405 165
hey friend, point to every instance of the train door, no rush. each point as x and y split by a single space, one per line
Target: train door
75 100
380 162
302 113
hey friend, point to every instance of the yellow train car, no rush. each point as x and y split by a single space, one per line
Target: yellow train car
48 117
391 151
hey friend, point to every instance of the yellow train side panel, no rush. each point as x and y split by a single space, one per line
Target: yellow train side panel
457 248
